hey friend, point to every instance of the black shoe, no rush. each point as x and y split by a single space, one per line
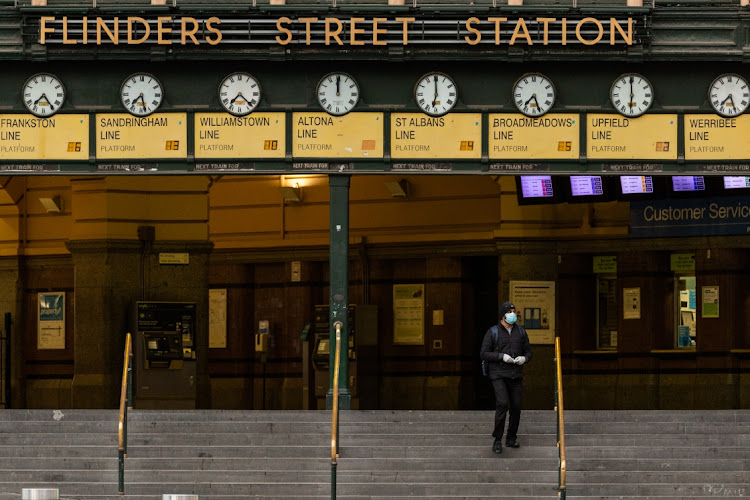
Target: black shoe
512 443
498 446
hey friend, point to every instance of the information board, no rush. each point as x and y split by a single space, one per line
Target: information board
60 137
711 137
320 135
453 136
123 136
258 135
553 136
615 137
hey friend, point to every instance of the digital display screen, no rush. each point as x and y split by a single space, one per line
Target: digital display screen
736 182
637 184
684 183
586 185
536 186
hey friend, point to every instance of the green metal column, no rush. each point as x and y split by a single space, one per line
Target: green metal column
339 276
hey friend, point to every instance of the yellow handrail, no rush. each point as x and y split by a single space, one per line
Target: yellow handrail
335 412
122 431
560 420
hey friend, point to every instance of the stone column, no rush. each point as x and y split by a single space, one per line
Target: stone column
106 283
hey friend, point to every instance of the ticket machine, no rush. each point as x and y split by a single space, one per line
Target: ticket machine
165 357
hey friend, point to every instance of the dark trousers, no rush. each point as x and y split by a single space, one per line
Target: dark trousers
508 395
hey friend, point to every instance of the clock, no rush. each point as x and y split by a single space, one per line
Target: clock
43 94
436 93
141 94
729 95
239 93
534 94
631 94
337 93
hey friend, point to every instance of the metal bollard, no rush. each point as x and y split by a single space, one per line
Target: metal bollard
40 494
179 497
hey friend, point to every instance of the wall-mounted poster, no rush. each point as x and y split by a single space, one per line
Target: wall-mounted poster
51 321
710 301
217 318
535 307
631 303
408 314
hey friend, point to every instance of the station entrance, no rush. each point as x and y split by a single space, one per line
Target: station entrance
422 163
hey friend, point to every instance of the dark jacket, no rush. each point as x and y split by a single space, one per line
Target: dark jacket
514 344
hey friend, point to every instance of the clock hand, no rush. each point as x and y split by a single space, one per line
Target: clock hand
533 96
436 91
731 99
239 94
43 96
338 85
630 101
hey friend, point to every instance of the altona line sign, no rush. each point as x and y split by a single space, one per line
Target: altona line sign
352 31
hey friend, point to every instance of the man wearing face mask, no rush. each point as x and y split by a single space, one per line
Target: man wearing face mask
505 359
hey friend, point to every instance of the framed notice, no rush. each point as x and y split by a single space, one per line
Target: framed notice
535 307
217 318
631 303
51 321
408 314
710 301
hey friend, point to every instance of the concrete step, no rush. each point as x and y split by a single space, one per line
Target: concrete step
160 465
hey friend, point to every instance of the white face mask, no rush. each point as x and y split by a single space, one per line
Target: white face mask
511 318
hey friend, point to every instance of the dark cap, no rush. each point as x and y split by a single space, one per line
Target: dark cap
505 307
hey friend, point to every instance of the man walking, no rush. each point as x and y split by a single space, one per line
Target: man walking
505 354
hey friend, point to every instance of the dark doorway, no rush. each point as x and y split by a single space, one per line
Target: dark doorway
484 280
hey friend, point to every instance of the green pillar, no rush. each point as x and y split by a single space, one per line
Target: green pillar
339 276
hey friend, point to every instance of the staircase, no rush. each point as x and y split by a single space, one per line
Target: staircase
275 455
661 454
384 454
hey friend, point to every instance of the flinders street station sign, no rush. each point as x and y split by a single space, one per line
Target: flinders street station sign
349 31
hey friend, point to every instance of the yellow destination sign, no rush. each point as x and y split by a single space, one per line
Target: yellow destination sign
257 135
615 137
158 136
549 137
59 137
320 135
453 136
711 137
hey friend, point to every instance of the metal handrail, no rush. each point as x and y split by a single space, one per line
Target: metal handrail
125 398
562 485
335 410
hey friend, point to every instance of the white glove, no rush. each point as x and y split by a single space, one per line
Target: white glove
519 360
508 359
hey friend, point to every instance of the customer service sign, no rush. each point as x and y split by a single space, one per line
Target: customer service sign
690 217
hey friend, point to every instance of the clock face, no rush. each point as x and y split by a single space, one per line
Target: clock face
141 94
239 93
43 94
631 94
338 93
729 95
534 94
436 93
